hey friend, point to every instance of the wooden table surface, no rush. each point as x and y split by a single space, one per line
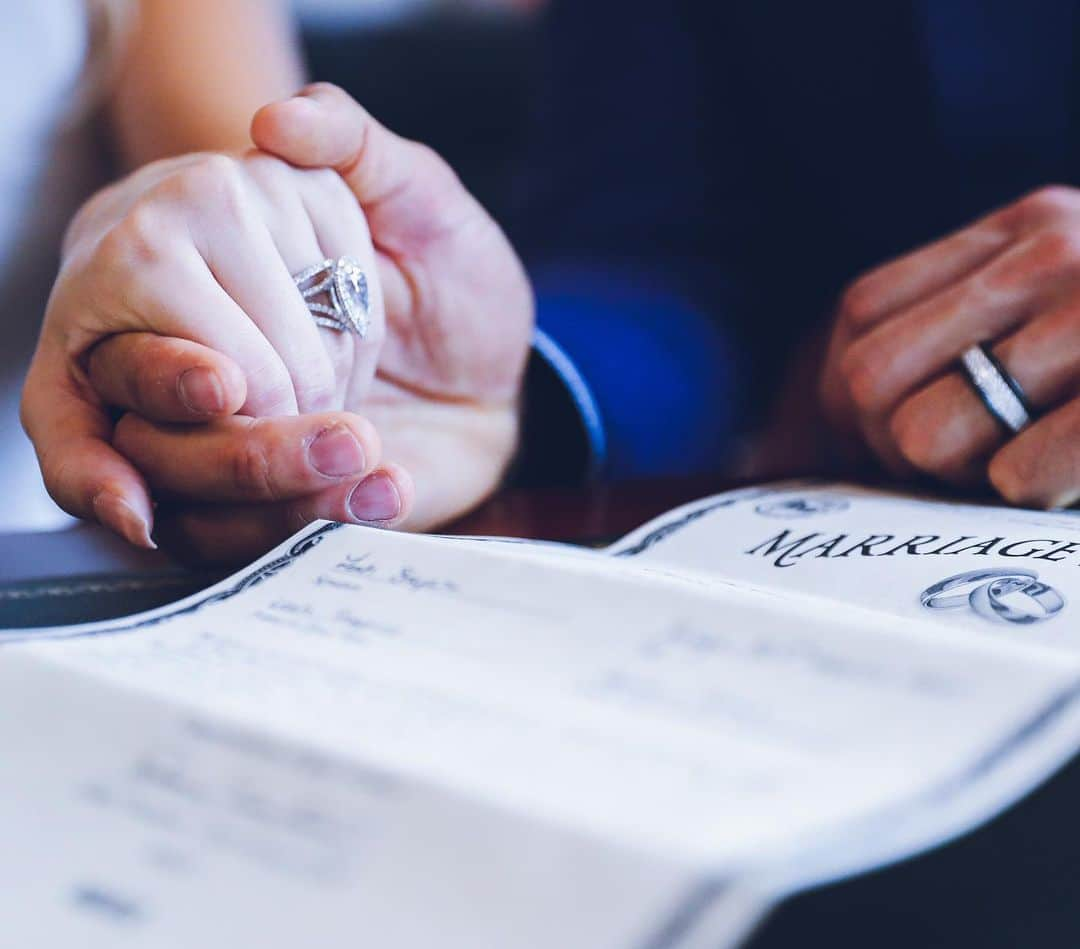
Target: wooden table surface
586 516
86 573
581 516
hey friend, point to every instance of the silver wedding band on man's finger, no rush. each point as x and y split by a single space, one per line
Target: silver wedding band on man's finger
336 294
999 391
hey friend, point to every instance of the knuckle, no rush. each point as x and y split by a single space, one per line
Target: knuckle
134 372
139 390
334 98
216 167
857 305
139 241
862 374
111 253
1041 467
99 364
276 179
317 394
276 393
270 389
67 481
922 442
910 439
330 183
52 468
433 166
143 223
126 436
1055 195
1048 202
424 155
328 197
1056 248
323 88
84 217
1007 474
213 179
268 171
251 466
263 162
28 410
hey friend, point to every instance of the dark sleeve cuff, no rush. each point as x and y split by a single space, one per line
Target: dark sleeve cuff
562 440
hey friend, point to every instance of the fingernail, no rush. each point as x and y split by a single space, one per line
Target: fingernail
335 452
375 499
115 513
201 391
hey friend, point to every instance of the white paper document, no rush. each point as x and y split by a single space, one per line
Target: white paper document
414 741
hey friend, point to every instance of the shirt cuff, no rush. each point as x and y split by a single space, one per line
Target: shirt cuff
581 397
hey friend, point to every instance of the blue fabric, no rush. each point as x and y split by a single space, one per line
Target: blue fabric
653 378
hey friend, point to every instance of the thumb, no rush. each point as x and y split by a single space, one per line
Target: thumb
86 476
410 195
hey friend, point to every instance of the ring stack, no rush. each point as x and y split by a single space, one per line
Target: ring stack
343 286
999 391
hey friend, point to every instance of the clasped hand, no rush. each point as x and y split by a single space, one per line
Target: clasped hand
180 384
1012 280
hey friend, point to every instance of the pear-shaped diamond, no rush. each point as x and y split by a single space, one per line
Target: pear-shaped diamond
351 294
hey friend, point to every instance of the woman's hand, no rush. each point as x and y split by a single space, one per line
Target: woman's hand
193 257
1011 279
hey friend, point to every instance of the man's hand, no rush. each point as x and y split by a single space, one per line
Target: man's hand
459 308
1011 279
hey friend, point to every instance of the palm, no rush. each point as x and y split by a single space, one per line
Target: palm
459 318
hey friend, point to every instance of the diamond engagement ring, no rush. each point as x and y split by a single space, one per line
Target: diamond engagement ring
999 391
336 293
